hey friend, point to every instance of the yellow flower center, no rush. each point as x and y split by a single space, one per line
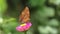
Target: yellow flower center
22 24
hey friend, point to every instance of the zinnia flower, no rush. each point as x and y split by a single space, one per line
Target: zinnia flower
23 27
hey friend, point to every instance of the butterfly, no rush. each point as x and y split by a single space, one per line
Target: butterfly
25 15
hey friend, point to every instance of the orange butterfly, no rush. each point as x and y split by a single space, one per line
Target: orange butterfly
25 15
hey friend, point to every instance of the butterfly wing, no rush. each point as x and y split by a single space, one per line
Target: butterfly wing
25 15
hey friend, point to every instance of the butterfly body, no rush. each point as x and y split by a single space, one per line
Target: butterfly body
25 15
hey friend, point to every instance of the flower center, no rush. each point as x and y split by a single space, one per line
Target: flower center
22 24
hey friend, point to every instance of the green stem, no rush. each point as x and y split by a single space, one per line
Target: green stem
25 32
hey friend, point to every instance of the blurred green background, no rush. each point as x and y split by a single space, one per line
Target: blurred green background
45 16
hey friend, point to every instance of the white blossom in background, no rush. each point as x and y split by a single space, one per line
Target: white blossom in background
47 30
1 20
56 2
49 12
53 31
44 29
53 22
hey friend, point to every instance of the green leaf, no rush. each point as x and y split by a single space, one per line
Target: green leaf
37 2
3 6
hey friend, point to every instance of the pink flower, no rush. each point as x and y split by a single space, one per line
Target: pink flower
23 27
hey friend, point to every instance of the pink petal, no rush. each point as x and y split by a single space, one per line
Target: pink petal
19 28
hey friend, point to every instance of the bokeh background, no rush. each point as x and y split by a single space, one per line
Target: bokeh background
45 16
